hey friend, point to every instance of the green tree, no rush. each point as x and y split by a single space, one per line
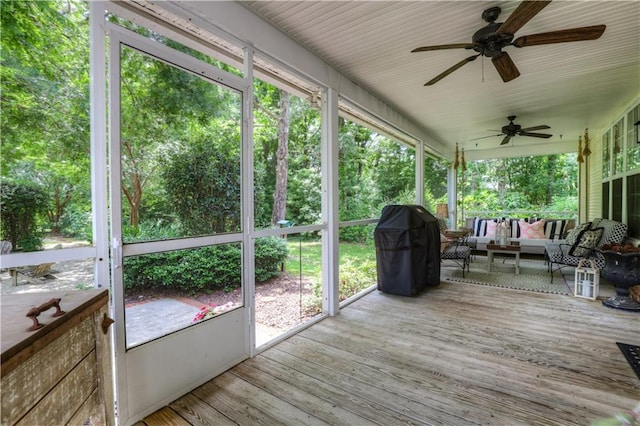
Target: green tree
21 202
45 100
526 183
204 187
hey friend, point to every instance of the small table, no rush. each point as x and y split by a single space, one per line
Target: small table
496 248
455 234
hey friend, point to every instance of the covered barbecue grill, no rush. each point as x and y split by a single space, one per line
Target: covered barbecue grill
407 240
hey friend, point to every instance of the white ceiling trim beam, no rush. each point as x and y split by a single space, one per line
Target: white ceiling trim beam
522 151
240 23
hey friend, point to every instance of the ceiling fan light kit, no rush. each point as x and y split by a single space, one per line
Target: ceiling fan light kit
490 40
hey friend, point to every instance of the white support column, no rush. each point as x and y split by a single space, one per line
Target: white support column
330 214
452 191
98 97
420 173
248 212
99 179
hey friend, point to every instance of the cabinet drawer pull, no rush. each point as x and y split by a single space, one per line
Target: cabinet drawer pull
37 310
106 322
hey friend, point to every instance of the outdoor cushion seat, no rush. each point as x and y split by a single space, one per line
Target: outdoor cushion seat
460 254
554 230
569 252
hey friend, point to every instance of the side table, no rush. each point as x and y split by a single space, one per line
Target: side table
512 248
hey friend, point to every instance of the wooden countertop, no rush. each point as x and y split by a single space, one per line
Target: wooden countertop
15 338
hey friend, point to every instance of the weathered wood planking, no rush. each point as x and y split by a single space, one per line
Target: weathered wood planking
105 367
35 377
18 344
89 413
165 416
456 354
198 412
61 373
80 382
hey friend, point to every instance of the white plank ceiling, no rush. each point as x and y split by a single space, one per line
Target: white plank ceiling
568 86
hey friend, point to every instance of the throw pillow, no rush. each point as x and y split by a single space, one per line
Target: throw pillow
515 229
534 231
553 229
491 229
480 227
574 234
444 242
587 242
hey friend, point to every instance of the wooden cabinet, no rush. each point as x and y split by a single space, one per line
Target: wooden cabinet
60 373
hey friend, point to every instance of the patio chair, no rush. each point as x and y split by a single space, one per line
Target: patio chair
457 251
581 243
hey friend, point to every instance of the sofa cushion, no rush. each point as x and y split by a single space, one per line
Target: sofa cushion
555 229
587 241
490 230
534 231
480 226
614 231
515 229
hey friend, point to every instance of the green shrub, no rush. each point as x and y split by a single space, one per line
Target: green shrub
204 186
270 253
192 270
21 203
203 269
75 223
151 230
356 277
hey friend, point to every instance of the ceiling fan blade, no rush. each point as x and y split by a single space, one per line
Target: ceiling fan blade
505 140
485 137
562 36
505 66
529 129
523 13
443 47
450 70
535 135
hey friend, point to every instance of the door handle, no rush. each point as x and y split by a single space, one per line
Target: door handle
116 252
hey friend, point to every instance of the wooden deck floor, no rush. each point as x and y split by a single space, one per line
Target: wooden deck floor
459 354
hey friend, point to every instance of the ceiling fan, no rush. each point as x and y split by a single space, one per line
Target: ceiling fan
512 129
490 40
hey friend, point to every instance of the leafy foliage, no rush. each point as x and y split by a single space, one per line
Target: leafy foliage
270 253
204 186
355 277
20 204
542 183
203 269
45 104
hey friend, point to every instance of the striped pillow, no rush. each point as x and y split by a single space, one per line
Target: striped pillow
554 229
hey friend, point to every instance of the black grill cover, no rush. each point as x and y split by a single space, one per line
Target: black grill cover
407 240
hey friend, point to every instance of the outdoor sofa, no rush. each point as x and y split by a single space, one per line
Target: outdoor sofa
532 234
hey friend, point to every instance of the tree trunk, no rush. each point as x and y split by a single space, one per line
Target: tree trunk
282 161
134 197
551 167
138 181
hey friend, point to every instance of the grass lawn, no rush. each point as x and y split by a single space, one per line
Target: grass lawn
307 255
